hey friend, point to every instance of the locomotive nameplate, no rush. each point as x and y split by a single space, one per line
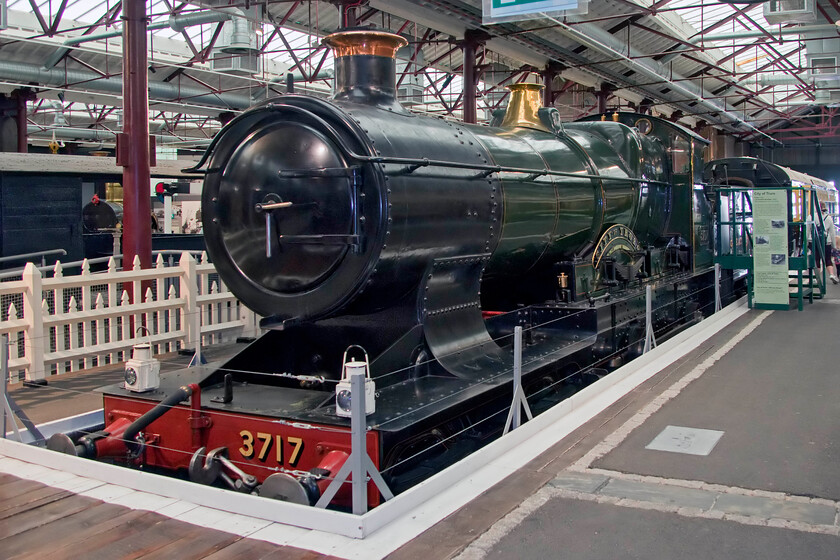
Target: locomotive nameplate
617 238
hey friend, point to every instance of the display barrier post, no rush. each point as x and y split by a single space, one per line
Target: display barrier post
10 407
357 441
650 340
358 463
514 418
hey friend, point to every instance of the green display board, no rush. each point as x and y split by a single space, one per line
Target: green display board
511 10
770 247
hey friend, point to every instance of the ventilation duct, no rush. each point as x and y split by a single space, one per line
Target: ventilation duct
239 36
826 86
790 11
102 136
822 54
237 52
58 118
24 73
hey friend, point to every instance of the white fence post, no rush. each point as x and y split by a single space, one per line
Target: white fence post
34 334
87 326
189 292
250 323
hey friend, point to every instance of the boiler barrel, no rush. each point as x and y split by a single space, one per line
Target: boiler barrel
358 235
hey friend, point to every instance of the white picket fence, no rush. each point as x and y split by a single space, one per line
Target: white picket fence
66 323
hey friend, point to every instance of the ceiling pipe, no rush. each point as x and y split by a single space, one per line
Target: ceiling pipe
823 85
160 91
99 135
819 80
778 33
176 23
604 42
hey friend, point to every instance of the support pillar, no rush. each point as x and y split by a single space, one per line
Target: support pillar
602 95
133 153
551 70
469 82
472 40
21 97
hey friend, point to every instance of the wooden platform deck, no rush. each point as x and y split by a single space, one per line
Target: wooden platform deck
38 521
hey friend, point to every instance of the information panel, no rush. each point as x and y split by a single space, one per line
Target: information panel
497 11
770 247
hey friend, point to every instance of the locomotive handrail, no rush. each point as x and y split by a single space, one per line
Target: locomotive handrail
411 163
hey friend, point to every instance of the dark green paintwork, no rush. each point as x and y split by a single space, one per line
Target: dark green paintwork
683 157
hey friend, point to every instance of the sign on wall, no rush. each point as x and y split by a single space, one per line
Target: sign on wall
498 11
770 247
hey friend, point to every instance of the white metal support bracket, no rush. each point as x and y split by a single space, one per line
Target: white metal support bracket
650 340
514 418
10 407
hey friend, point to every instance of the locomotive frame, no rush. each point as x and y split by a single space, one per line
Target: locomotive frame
320 215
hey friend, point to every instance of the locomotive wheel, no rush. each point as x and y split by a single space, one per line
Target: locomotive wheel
284 487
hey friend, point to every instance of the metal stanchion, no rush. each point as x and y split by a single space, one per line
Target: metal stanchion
718 304
514 418
650 340
198 358
358 443
358 463
10 407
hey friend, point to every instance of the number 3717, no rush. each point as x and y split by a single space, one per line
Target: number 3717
261 444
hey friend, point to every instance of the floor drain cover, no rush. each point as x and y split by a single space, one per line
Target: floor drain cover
692 441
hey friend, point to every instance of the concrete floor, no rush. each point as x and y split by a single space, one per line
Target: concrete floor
768 489
564 528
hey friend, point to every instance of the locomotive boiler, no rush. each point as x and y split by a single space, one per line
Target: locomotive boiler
353 222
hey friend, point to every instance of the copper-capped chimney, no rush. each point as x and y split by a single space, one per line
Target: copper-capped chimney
525 102
365 66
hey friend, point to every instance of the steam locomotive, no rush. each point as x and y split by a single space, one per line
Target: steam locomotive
425 242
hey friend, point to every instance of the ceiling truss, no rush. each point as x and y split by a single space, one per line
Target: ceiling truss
435 54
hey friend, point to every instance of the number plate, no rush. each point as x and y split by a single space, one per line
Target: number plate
272 448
